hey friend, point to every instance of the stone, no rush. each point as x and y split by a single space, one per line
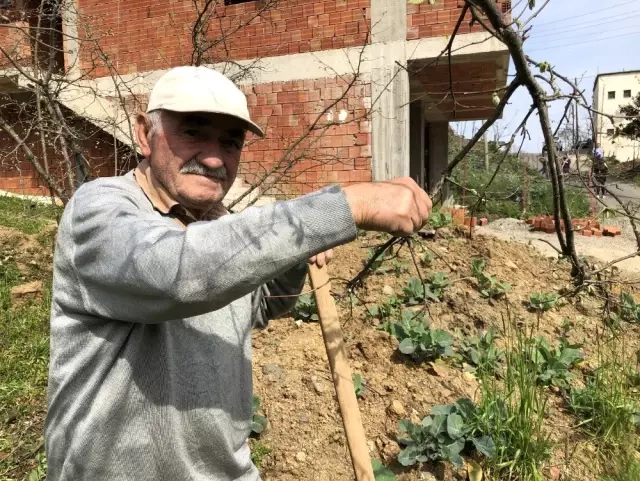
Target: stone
387 291
30 289
301 457
273 371
317 385
511 265
396 408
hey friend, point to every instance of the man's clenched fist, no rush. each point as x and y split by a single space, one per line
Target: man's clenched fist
399 207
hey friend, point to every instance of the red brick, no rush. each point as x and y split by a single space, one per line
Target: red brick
483 221
597 232
587 232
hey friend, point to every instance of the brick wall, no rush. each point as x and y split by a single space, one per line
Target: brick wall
142 35
14 39
327 154
17 174
426 20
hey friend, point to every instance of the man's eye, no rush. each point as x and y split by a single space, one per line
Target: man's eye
231 143
191 132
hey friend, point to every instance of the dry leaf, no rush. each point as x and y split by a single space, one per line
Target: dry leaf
474 471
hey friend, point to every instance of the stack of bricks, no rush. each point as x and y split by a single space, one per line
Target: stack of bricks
459 217
586 227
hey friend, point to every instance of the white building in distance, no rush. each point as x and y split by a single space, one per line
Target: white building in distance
610 92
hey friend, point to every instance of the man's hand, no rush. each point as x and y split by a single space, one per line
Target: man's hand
399 207
322 259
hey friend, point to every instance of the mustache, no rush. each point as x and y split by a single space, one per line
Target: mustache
194 167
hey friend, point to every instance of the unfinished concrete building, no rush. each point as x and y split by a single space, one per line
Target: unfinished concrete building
362 82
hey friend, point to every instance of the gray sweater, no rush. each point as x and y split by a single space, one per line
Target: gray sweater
150 373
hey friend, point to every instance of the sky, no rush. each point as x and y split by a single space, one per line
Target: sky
579 38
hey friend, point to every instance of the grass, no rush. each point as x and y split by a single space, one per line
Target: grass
512 411
24 344
608 406
259 451
505 195
28 217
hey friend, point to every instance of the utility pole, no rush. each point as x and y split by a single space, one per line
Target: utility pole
486 152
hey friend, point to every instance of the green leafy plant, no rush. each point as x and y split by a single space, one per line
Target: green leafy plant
381 472
444 435
440 219
543 301
305 308
258 421
358 385
481 352
629 309
552 364
417 339
435 286
386 309
426 259
413 292
488 286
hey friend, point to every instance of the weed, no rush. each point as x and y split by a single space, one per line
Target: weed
40 471
512 412
258 421
413 292
358 385
629 309
305 308
606 405
488 286
426 259
444 435
552 364
543 301
624 466
417 339
259 451
481 353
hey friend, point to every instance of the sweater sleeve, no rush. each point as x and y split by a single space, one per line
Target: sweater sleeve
133 266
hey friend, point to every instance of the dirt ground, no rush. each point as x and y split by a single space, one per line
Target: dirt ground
291 373
292 377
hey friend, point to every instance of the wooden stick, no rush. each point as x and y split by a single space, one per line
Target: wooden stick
341 372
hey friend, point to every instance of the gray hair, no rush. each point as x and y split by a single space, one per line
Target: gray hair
155 116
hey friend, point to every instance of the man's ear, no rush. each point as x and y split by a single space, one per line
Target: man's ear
143 130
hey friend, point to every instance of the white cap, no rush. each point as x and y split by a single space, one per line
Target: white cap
200 89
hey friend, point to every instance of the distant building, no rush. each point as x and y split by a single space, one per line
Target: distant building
610 92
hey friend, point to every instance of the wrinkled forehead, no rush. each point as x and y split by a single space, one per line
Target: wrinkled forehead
205 120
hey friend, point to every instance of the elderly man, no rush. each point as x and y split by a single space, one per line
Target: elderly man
156 290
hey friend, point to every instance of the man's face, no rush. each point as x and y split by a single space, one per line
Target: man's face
195 156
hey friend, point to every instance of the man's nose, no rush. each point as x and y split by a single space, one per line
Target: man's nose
212 155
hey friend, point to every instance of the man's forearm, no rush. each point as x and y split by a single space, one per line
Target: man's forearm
122 257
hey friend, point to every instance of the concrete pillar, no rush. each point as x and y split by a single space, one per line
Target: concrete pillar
389 90
438 154
417 143
70 42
